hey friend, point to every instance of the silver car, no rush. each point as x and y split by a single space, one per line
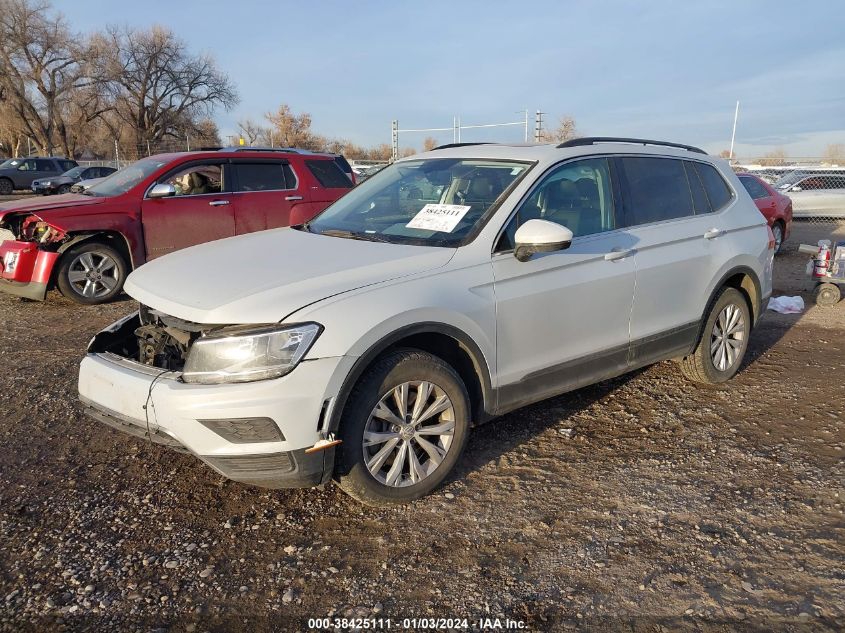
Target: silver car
817 194
448 289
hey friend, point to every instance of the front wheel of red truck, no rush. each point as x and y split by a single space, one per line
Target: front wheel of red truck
91 273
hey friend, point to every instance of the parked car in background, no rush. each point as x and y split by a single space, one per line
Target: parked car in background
775 207
62 183
84 185
816 194
86 244
449 288
18 173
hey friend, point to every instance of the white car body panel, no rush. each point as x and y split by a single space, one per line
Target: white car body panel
524 320
818 203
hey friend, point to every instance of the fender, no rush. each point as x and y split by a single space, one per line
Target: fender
366 359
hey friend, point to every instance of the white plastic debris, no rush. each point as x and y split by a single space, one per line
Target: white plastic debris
786 305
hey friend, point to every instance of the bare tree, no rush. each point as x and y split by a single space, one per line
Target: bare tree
42 69
251 131
429 143
773 158
294 130
565 131
834 153
155 84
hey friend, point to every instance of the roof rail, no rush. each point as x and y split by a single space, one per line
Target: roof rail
244 148
449 145
592 140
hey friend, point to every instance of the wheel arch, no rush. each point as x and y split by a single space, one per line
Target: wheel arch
747 282
444 341
115 239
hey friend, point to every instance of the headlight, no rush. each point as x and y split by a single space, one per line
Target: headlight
10 261
247 355
46 183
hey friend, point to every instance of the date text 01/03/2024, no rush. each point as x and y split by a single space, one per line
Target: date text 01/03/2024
376 624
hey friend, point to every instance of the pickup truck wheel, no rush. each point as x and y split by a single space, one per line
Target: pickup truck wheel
91 273
6 187
724 340
403 429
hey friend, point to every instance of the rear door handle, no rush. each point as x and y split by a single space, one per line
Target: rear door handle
618 254
292 198
713 234
218 203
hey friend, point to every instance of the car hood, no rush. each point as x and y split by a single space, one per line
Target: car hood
264 277
48 208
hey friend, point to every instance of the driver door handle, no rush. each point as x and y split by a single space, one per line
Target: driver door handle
292 198
713 233
218 203
618 254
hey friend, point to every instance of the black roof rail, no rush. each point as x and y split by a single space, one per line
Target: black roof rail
246 148
449 145
592 140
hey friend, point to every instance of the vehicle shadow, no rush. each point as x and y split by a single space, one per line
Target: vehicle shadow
490 441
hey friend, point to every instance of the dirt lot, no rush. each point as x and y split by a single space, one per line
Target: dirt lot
644 503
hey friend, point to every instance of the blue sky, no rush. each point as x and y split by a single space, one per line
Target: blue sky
657 69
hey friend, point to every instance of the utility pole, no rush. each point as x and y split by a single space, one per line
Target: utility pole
149 153
733 134
188 141
394 130
116 155
538 126
454 129
526 125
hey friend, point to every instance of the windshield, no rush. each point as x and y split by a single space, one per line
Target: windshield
434 202
123 180
74 173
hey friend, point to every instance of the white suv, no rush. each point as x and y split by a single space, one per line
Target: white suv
448 289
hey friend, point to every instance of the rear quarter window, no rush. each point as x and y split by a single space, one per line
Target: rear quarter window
328 174
717 189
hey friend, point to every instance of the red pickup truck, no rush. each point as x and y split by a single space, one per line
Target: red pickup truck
86 244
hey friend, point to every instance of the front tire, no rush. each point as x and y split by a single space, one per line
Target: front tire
404 428
724 340
7 187
91 273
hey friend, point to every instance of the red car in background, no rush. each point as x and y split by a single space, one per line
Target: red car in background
87 244
775 207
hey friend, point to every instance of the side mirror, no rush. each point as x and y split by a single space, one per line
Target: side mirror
796 188
540 236
162 190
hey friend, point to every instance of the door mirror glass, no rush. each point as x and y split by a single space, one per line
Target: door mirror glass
540 236
162 190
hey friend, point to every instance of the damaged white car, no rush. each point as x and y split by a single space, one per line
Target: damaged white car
448 289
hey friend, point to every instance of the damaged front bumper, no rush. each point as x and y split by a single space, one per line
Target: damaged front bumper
255 433
25 269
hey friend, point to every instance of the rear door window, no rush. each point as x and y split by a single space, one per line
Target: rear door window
715 186
657 189
45 165
329 174
67 164
261 177
754 188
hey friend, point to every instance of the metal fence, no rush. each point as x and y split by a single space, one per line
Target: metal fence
816 186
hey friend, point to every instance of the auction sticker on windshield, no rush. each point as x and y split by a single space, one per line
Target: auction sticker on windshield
439 217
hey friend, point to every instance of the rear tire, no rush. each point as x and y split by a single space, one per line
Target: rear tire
777 231
724 340
7 187
395 450
91 273
827 295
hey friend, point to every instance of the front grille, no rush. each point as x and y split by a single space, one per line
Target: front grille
245 430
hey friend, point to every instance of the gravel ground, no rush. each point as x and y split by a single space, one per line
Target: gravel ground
643 503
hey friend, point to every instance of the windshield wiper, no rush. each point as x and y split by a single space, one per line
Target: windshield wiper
351 235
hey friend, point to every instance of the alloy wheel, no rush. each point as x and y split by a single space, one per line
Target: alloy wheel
408 433
727 338
93 274
778 233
